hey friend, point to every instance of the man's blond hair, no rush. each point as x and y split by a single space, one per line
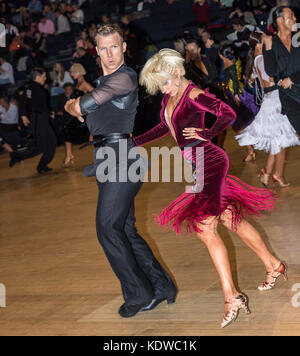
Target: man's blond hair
107 30
160 68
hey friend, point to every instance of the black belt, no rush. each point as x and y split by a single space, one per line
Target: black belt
100 140
272 88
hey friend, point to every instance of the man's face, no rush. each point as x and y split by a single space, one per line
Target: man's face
289 19
193 50
111 51
41 79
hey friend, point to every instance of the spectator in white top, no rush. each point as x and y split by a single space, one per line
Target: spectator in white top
6 72
11 30
77 15
62 25
9 114
61 77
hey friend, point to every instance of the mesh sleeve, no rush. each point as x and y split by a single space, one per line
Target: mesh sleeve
116 85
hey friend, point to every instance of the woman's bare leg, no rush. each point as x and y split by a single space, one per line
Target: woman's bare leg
68 154
219 255
280 160
270 164
251 237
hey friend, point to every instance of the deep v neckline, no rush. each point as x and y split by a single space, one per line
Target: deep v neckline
168 119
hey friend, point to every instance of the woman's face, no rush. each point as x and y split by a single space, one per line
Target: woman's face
58 68
74 74
84 35
171 87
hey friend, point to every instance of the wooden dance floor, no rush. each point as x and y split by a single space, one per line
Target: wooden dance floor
58 281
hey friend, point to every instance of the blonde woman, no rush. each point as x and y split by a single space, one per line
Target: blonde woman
77 71
224 199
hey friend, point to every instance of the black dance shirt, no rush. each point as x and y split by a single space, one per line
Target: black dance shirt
111 107
280 64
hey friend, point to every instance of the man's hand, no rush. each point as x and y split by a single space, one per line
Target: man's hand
285 83
73 108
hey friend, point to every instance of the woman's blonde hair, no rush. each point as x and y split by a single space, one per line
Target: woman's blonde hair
60 75
78 69
160 68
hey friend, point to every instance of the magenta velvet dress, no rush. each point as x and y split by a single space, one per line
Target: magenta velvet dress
219 191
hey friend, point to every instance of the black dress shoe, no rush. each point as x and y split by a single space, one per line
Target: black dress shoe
44 170
129 310
154 302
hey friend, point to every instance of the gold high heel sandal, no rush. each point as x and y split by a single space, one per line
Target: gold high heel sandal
272 277
280 180
250 157
68 162
264 177
238 302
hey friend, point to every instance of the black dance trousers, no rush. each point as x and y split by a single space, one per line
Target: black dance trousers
141 275
291 109
45 139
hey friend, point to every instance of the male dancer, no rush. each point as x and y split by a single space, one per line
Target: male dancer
34 104
111 109
281 59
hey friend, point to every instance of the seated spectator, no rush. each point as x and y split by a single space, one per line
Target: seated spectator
77 71
46 26
62 25
49 13
92 30
60 78
15 16
34 6
199 67
8 112
19 45
77 16
39 44
9 119
11 32
86 43
179 45
201 8
6 72
89 64
241 35
63 29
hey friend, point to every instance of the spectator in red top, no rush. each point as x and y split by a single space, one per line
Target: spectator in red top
202 10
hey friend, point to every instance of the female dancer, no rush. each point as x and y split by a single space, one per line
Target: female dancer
238 98
77 71
270 131
223 199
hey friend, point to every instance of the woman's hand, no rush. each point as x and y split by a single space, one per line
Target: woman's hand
191 132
